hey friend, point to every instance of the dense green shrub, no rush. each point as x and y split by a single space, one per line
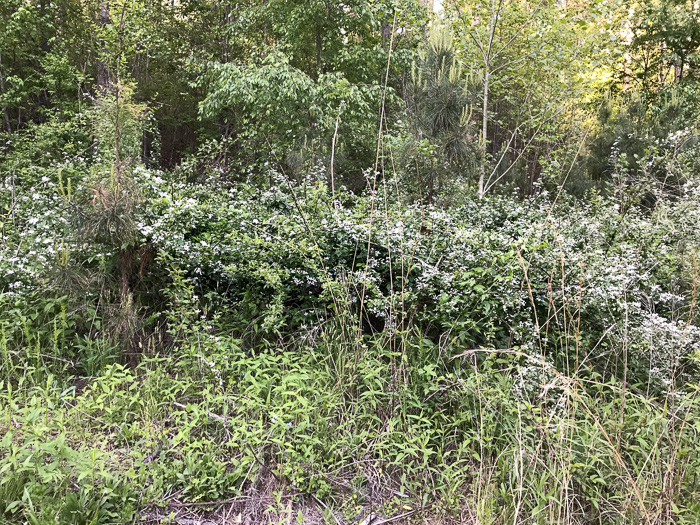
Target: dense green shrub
313 314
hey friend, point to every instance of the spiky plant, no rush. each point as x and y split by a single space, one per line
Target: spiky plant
441 115
105 216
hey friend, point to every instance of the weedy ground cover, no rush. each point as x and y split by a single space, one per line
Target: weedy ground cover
516 362
349 262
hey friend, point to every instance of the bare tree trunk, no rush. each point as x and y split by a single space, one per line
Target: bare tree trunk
335 139
45 46
319 50
102 67
487 54
125 258
5 117
484 131
227 24
678 70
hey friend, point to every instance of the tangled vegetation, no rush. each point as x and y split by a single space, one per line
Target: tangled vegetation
302 261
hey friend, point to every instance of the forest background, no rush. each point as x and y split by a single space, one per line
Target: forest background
275 261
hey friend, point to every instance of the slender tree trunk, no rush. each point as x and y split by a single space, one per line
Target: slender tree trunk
45 46
335 140
264 27
386 31
488 59
678 70
484 132
227 25
5 116
319 50
125 257
102 68
44 98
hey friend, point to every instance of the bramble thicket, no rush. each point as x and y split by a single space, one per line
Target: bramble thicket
370 261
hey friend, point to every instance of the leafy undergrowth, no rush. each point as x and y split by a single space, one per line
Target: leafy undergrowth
338 262
516 361
323 430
